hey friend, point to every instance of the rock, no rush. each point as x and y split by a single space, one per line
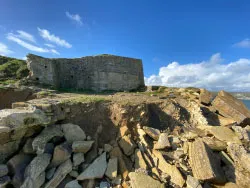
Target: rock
104 184
152 132
46 135
37 183
8 149
82 146
50 173
27 148
117 180
78 158
49 148
73 184
192 182
95 170
204 163
127 145
169 169
243 133
223 133
74 174
111 171
225 158
175 142
4 181
231 107
124 131
73 133
163 142
214 143
178 153
3 170
139 161
61 154
205 96
61 172
107 148
17 166
139 180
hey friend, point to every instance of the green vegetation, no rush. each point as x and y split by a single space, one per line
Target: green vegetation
7 82
45 93
84 99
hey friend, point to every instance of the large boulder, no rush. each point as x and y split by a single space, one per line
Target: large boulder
231 107
73 133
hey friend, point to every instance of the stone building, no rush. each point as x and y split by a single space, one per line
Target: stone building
98 73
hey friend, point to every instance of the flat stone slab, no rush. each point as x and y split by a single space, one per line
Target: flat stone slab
152 132
127 145
82 146
111 171
62 153
139 180
162 142
73 133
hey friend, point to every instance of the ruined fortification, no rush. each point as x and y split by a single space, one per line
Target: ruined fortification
98 73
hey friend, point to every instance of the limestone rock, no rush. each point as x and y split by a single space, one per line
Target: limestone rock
107 147
204 163
4 181
47 134
7 149
50 173
82 146
3 170
169 169
62 153
73 133
74 174
27 148
37 166
192 182
78 158
111 171
205 96
214 143
31 183
96 169
139 180
127 145
73 184
152 132
163 142
231 107
139 161
60 174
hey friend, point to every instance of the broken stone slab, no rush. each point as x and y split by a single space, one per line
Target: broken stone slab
78 158
45 136
111 171
4 181
204 163
192 182
127 145
50 173
231 107
8 149
169 169
95 170
152 132
61 172
205 97
139 161
163 142
214 143
3 170
139 180
74 174
82 146
31 183
62 153
225 158
73 184
107 148
37 166
73 133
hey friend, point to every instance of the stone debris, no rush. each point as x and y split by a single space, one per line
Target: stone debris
73 184
153 133
95 170
205 97
214 143
78 158
127 145
62 153
111 171
73 133
82 146
3 170
139 161
4 181
163 142
192 182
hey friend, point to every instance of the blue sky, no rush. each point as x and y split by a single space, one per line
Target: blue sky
182 43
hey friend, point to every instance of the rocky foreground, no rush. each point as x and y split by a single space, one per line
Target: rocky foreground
164 138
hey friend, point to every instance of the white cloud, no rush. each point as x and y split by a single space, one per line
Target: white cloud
50 45
74 17
4 50
31 47
52 38
211 74
54 51
26 36
243 44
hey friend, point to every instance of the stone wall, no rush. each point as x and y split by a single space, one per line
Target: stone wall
102 72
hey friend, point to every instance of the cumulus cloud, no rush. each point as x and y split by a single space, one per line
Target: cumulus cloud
45 34
4 50
31 47
213 74
243 44
74 17
26 36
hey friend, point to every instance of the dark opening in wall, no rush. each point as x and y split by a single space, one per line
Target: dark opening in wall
45 66
72 76
37 79
88 77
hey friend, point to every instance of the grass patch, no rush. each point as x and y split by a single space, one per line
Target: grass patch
7 82
44 93
84 99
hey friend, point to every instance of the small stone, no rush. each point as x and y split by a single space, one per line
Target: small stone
100 151
139 180
78 158
127 145
139 161
31 183
104 184
192 182
61 154
89 138
73 184
111 171
27 148
152 132
107 147
179 153
3 170
4 181
163 142
74 174
95 170
50 173
82 146
73 133
124 131
117 180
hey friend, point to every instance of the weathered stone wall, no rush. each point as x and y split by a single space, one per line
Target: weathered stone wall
103 72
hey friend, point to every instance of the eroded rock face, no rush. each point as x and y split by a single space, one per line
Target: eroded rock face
231 107
205 96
